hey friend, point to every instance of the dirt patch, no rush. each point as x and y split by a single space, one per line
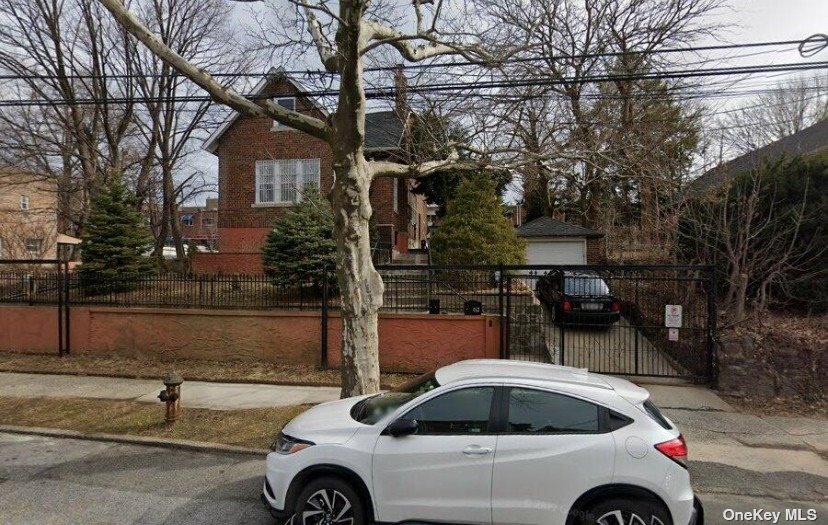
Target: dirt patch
192 370
248 428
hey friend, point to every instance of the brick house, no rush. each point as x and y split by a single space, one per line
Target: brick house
199 224
263 167
28 215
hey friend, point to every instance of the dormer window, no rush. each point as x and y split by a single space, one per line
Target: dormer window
287 103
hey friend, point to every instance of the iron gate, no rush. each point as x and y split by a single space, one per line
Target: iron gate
624 320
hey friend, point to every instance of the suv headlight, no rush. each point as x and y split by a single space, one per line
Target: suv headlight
285 444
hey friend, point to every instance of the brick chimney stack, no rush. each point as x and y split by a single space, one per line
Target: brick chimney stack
400 93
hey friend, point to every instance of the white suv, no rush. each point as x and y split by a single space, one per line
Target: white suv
485 442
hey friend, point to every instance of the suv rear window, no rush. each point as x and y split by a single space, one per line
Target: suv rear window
655 415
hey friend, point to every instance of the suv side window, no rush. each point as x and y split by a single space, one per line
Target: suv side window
463 411
538 412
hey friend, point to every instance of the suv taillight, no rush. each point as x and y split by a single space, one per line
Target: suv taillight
567 306
616 306
675 449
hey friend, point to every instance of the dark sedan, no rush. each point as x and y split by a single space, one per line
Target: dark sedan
582 298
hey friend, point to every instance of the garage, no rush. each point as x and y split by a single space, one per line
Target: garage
553 242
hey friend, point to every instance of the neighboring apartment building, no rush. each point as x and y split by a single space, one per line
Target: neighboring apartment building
199 224
28 215
264 166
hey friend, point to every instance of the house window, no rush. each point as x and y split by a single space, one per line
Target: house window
395 198
207 221
287 103
33 247
24 202
187 220
283 181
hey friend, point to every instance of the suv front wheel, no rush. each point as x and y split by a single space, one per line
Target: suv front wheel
617 511
329 501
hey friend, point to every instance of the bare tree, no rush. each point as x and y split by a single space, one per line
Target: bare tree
791 106
199 32
342 36
746 229
66 53
612 126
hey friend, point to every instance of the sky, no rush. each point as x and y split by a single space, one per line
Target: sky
748 21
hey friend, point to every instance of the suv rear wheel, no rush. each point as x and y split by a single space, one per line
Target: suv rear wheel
329 501
618 511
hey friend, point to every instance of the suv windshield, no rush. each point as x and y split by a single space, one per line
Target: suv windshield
371 410
585 285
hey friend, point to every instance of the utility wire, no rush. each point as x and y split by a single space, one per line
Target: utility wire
387 92
513 60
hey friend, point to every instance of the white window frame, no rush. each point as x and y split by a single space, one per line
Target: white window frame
24 202
288 182
278 126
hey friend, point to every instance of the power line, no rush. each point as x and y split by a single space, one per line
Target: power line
387 92
463 63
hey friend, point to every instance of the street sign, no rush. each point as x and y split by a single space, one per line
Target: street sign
672 334
672 315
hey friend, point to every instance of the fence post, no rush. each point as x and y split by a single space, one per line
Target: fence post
712 350
561 324
501 276
60 307
67 305
508 315
324 342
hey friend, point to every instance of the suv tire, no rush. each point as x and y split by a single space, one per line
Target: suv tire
329 501
625 511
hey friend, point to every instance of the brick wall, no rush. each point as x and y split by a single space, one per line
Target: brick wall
408 342
596 250
228 263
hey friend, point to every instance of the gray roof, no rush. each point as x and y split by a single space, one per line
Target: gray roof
812 140
549 227
383 130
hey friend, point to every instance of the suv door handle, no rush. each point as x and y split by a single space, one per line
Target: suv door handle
475 450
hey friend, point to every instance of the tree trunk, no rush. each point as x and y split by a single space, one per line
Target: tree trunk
360 285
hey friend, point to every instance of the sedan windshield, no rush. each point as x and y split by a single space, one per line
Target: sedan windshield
371 410
585 285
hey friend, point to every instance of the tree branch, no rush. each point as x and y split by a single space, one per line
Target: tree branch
227 96
381 34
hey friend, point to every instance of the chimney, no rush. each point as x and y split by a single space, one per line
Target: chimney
400 93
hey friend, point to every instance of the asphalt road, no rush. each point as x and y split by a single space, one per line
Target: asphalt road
46 481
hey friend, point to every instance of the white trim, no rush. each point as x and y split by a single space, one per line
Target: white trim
211 144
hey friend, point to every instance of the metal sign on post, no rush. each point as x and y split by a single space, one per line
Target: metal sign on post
672 315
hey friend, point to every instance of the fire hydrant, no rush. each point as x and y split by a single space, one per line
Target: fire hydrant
171 395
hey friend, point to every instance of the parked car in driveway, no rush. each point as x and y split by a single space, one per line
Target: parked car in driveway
578 297
485 441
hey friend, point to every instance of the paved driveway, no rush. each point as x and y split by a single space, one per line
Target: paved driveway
621 349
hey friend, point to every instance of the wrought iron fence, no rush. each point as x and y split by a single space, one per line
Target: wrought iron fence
613 320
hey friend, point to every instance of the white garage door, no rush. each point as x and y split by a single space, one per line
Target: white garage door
556 252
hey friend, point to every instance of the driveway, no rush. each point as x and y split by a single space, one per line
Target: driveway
621 349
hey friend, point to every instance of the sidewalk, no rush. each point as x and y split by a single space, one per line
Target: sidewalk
194 394
708 422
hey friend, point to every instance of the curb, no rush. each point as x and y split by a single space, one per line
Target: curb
178 444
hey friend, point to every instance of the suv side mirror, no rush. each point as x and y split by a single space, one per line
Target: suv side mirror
402 427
